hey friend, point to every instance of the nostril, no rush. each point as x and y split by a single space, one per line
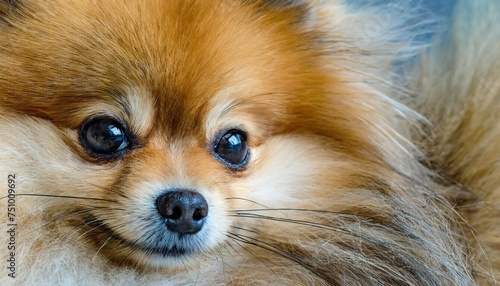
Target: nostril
200 213
185 211
168 206
176 213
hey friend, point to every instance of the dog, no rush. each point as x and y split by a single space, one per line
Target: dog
248 142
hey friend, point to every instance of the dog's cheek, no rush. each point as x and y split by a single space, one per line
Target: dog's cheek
40 156
293 172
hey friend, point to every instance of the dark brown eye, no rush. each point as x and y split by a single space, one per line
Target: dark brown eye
104 137
232 149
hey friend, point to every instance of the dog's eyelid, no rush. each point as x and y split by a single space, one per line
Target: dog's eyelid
107 137
231 148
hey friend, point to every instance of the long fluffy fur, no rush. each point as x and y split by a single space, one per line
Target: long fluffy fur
359 176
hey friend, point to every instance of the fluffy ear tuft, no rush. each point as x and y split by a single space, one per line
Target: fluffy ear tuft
282 3
298 9
287 3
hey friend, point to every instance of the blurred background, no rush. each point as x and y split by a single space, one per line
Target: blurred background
427 16
439 7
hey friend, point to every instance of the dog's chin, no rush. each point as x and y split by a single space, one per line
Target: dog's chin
154 249
145 256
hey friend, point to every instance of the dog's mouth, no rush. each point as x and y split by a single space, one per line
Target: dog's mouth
174 251
103 234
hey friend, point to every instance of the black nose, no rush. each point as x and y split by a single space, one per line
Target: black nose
184 210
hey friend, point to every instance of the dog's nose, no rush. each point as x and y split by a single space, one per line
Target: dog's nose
184 210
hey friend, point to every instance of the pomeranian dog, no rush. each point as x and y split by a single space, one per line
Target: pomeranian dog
248 142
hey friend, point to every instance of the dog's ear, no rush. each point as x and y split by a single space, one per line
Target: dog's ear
289 3
297 11
285 3
7 7
281 3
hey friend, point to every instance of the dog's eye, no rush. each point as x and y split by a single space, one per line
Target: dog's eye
104 137
232 149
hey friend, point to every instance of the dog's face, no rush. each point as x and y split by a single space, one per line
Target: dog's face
175 122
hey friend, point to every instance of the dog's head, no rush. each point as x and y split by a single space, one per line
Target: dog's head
161 128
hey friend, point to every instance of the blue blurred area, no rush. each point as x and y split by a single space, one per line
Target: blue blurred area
435 13
440 8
